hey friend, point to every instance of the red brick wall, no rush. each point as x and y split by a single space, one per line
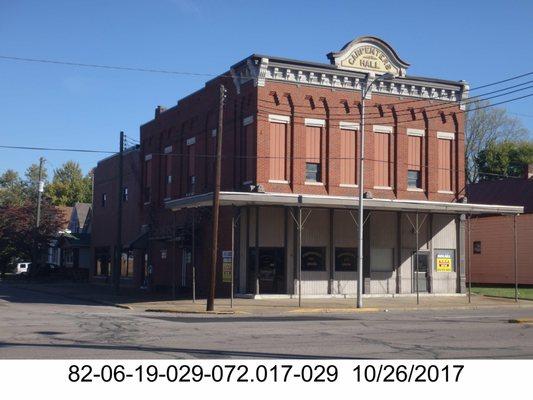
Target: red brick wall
104 223
323 103
197 115
495 264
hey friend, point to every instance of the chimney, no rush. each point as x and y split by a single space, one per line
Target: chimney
159 110
528 171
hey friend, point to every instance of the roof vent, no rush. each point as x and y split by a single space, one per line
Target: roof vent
159 110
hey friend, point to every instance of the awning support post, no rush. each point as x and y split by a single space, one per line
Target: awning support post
299 250
416 261
256 251
192 256
232 256
515 255
468 260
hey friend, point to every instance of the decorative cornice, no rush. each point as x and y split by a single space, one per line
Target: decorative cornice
262 69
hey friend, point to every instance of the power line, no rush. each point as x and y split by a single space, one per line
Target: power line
186 73
56 149
103 66
502 81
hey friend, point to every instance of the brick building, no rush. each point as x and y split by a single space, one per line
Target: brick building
104 220
492 238
291 139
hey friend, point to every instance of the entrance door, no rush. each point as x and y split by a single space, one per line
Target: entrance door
271 271
422 275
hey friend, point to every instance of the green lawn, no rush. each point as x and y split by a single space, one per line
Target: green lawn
523 293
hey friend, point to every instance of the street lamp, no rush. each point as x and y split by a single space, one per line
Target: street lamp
367 88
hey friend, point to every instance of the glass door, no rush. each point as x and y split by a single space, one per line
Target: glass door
420 272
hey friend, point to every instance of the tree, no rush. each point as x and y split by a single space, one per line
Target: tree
12 188
19 236
504 159
69 186
484 126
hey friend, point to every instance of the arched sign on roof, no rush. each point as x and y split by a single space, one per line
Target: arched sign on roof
369 54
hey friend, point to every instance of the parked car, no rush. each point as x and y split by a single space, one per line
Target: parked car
47 270
22 268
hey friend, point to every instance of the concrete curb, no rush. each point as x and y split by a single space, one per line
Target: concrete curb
336 310
74 297
503 297
162 310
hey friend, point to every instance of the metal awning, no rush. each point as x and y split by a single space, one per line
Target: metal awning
338 202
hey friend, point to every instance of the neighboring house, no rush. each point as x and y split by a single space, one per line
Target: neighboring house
105 212
291 138
492 238
54 251
75 243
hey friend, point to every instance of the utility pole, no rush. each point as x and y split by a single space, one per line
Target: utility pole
216 201
40 191
118 250
365 90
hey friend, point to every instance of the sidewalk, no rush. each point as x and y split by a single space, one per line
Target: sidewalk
150 302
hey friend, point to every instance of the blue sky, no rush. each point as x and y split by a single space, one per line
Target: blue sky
60 106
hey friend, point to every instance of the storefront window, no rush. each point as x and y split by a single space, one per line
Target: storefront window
103 262
345 259
313 258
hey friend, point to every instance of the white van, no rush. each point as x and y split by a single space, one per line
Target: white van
22 268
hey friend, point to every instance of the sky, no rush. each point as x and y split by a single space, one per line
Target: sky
51 105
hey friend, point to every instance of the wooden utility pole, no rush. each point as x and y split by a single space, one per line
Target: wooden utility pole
118 249
40 191
216 202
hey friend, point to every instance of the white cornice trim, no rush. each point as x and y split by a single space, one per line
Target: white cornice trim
382 128
446 135
346 80
349 126
283 119
415 132
315 122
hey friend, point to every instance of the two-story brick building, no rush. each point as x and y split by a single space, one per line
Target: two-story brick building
291 138
104 220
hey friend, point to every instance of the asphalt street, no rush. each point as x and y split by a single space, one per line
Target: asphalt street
44 326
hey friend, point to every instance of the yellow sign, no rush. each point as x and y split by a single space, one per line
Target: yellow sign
369 58
444 264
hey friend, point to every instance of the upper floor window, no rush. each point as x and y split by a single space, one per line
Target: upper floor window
191 165
278 147
168 172
382 161
249 151
147 178
313 172
445 157
313 149
104 199
125 194
414 158
348 153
